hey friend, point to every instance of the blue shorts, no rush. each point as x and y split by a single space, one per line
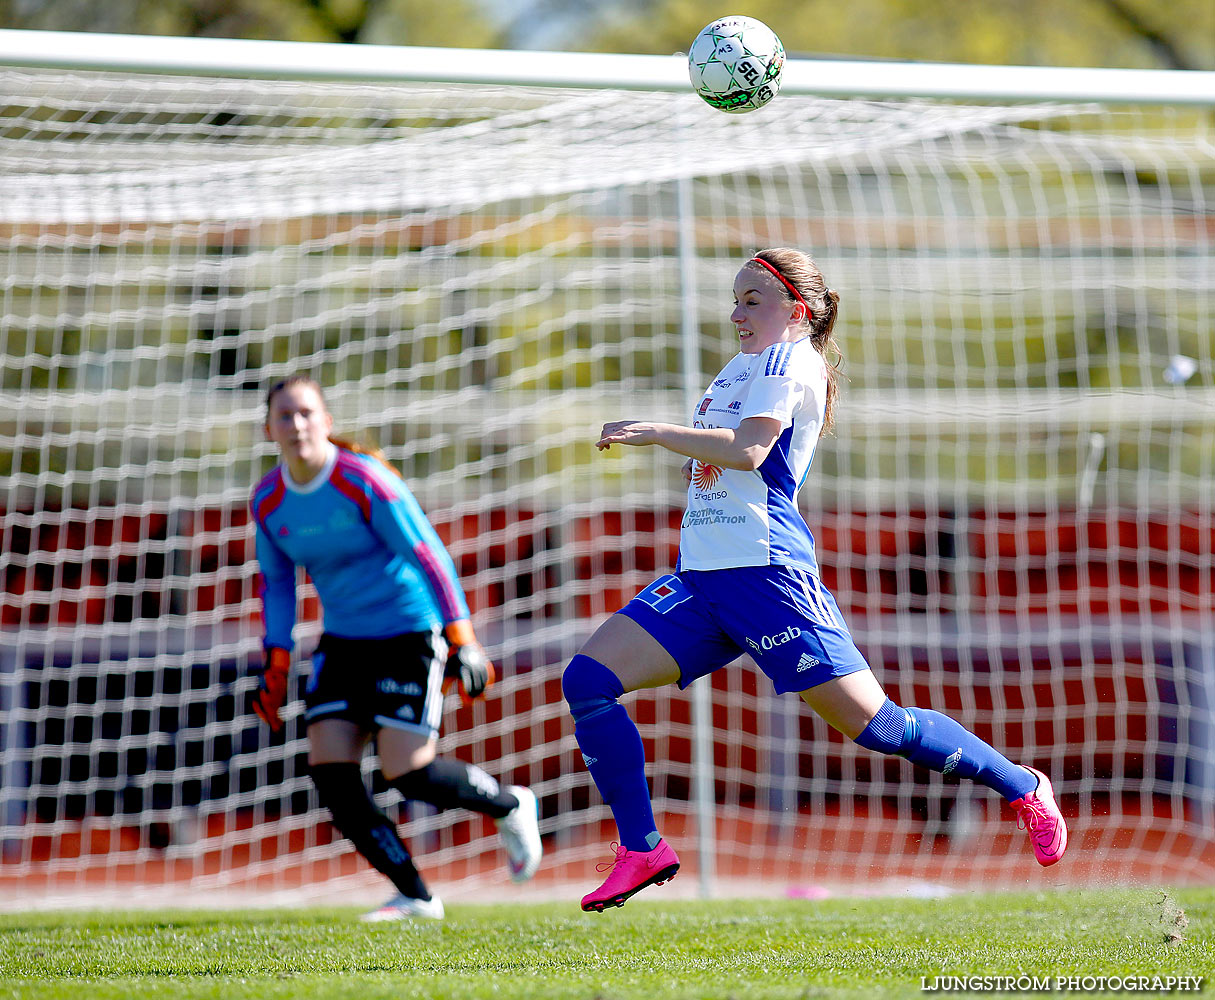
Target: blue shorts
783 616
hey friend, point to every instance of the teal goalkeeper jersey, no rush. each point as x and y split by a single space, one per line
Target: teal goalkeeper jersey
375 560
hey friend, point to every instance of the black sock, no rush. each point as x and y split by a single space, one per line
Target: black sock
450 784
343 793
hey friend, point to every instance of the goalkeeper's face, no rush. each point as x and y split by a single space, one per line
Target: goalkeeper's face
763 314
298 422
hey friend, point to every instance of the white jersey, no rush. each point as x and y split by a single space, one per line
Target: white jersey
739 518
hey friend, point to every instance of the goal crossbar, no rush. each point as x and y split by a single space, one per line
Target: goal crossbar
428 64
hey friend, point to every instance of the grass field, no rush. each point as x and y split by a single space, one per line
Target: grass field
649 950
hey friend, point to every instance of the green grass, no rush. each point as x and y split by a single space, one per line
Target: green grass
649 950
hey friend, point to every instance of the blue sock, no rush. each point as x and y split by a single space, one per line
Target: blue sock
937 742
611 748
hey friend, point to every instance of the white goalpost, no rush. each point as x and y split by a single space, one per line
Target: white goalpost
483 256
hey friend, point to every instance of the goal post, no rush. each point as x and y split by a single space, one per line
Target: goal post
484 256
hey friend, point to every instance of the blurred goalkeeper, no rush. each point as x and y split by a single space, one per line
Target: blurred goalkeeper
397 633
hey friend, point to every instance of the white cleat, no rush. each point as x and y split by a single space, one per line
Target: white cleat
520 833
406 908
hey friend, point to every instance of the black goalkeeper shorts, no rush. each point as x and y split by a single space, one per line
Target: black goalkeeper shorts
393 683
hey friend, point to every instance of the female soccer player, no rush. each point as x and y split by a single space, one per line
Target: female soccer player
748 582
396 625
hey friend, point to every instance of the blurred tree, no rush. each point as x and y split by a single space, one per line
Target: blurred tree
400 22
1126 33
457 23
1165 45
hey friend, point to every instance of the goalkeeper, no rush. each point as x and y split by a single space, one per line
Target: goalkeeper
748 583
396 632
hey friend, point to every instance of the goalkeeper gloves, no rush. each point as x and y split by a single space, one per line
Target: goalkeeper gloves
271 693
467 664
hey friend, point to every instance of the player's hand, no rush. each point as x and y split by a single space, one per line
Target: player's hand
687 471
271 693
467 664
635 432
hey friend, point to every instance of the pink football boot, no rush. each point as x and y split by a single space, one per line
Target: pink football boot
631 872
1038 813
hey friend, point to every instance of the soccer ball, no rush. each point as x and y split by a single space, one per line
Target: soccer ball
735 64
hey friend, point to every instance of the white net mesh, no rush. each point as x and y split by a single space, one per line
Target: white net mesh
1014 512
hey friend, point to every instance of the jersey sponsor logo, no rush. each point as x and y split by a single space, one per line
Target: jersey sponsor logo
342 519
736 405
705 476
711 515
768 642
704 405
665 593
388 685
725 383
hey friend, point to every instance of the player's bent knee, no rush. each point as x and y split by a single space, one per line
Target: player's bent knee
411 784
341 790
892 730
589 687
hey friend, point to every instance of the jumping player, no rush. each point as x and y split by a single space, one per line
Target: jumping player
395 626
747 582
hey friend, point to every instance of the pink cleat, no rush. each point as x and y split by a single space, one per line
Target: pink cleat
1038 813
631 872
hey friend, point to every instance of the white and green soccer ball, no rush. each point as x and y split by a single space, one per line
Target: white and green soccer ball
735 64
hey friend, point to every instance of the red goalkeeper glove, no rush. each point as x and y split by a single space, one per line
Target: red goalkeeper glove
467 664
271 693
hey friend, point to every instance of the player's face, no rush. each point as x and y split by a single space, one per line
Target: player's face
762 313
299 424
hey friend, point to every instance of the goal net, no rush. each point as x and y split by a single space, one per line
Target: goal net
1015 509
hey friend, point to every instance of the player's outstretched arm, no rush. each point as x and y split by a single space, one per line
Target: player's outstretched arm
744 447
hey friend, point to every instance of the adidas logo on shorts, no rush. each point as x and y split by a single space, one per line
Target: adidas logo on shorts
588 761
807 662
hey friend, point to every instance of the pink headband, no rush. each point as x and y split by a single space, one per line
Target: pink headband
786 282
